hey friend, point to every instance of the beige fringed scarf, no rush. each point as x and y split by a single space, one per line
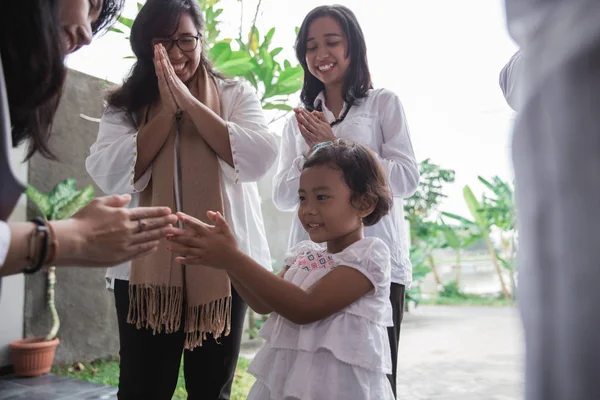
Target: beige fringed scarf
159 287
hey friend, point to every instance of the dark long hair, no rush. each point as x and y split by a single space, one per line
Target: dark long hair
157 18
357 81
32 57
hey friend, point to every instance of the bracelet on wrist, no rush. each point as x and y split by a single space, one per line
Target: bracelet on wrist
38 246
319 145
53 244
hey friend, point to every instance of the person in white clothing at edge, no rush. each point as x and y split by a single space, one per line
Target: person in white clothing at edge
339 102
180 135
510 81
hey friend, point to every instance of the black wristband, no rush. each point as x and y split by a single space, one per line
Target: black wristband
42 228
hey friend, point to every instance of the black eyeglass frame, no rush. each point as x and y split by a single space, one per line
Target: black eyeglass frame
176 42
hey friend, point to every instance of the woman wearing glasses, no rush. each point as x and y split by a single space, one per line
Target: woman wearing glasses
178 134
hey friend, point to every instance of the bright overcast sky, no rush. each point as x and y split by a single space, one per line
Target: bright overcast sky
441 57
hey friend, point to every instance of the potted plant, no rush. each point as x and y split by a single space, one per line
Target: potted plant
35 356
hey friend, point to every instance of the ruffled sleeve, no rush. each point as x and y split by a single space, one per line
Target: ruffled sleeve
289 168
371 257
253 146
113 156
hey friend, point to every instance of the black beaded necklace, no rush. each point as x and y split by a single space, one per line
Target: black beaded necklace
339 119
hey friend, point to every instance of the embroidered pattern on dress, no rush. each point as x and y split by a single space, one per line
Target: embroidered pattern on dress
314 259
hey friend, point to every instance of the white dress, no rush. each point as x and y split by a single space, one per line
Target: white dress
378 122
345 356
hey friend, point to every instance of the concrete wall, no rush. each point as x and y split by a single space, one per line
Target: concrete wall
13 287
88 321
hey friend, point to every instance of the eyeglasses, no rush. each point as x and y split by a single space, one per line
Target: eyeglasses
185 43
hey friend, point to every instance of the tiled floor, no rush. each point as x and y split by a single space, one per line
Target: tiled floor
53 387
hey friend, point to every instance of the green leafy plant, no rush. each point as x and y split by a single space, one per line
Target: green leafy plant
421 211
457 238
254 60
423 205
420 269
452 290
62 203
500 209
482 223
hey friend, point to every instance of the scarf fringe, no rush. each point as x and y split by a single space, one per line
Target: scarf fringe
155 307
213 318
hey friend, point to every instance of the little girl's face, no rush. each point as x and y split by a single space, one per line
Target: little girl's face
325 209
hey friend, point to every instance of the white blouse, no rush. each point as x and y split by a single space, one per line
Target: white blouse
344 356
112 159
377 121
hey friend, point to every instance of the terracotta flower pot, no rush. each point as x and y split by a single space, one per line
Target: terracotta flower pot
33 356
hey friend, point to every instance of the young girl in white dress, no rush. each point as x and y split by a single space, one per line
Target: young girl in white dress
326 337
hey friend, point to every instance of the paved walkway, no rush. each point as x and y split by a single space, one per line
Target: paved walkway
461 353
53 387
446 353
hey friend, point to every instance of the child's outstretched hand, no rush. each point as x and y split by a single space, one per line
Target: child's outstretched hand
203 244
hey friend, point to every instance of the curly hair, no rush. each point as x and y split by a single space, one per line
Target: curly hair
362 174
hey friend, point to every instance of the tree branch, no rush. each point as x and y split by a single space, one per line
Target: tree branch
275 119
253 24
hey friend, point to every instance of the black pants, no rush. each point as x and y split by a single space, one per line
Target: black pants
150 363
397 299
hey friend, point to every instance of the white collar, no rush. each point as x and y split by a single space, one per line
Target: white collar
320 99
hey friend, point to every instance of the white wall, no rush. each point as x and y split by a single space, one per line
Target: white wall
12 298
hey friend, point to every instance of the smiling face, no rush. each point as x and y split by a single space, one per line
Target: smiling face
76 19
325 210
185 63
326 51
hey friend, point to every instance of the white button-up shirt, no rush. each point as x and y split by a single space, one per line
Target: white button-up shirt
112 159
377 121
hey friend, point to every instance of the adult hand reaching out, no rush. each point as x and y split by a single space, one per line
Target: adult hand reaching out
104 233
